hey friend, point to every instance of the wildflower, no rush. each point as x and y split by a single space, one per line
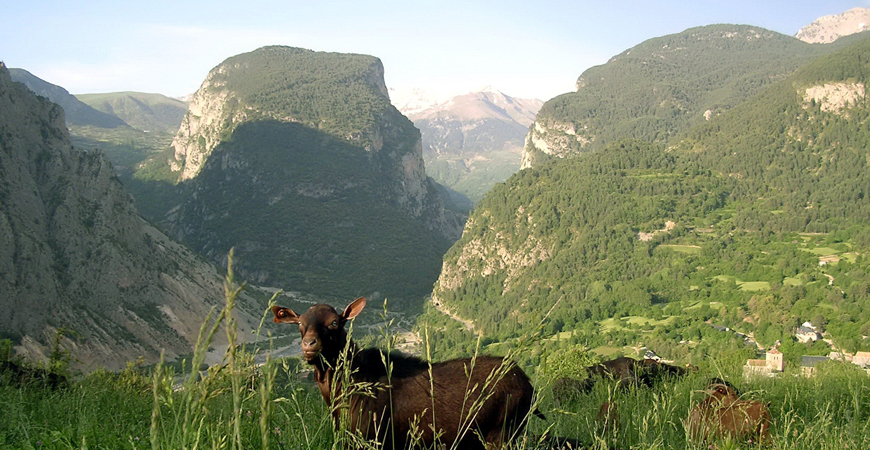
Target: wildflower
277 430
249 414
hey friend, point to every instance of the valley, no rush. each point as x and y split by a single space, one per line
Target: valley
702 196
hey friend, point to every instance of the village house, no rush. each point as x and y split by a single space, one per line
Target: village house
861 359
808 364
807 333
772 365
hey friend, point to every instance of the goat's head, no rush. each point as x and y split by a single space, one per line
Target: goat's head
322 329
721 389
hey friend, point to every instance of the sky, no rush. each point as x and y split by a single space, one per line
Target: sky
526 49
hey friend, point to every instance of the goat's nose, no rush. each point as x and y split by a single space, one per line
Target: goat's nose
309 343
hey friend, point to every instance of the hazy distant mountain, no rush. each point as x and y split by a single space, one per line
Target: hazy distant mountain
828 29
77 112
472 141
412 101
145 112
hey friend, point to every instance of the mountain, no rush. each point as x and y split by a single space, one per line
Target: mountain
412 101
828 29
145 112
298 160
754 221
75 256
77 113
663 86
475 140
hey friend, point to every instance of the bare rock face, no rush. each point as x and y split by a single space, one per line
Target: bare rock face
76 256
553 138
835 97
207 116
828 29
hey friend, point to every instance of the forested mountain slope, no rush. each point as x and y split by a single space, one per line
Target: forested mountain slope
663 86
298 160
145 112
757 220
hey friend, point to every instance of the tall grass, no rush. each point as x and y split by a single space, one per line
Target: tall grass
243 405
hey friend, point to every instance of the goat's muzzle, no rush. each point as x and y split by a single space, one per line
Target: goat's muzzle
310 349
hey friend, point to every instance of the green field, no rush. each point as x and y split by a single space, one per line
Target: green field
745 285
691 249
623 322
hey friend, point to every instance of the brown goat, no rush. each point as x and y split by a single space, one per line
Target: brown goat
722 415
630 372
607 420
475 403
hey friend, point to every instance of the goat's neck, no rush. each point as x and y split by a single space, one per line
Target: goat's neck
325 372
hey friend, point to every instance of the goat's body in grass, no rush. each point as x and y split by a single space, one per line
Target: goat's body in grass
723 415
470 403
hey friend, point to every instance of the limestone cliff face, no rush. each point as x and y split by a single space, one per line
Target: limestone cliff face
505 254
208 114
553 138
828 29
74 253
307 146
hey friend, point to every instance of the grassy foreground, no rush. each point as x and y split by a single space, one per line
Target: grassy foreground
243 405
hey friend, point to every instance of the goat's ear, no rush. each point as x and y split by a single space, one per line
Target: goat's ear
354 308
284 315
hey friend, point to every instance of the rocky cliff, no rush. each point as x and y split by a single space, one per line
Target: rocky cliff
298 159
828 29
76 256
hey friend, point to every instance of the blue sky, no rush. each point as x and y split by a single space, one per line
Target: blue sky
526 49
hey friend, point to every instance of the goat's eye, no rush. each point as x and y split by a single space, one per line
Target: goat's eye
334 324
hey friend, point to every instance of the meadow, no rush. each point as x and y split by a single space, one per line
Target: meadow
241 404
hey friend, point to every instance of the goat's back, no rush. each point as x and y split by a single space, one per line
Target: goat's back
720 418
459 400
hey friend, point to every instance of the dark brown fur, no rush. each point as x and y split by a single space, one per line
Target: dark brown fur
433 403
627 372
607 419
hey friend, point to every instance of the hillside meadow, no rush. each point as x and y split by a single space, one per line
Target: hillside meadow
272 405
